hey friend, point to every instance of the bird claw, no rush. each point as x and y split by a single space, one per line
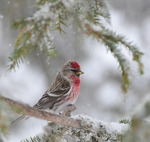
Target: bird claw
68 109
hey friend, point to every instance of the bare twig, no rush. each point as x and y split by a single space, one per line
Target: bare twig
30 111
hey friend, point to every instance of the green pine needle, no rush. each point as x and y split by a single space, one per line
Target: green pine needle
36 32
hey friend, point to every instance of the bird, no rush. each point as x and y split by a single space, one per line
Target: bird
64 90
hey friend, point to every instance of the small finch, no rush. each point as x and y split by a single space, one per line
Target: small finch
63 91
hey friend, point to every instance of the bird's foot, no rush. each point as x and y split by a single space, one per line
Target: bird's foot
68 109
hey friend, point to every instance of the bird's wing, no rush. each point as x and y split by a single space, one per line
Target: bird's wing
60 87
46 101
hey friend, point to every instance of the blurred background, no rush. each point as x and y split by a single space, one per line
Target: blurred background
101 96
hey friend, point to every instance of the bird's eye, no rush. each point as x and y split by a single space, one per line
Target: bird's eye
75 70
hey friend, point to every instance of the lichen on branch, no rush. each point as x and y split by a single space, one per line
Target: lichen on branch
78 128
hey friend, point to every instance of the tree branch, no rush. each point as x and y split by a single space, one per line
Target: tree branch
30 111
86 127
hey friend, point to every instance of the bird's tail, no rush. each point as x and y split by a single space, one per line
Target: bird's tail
20 118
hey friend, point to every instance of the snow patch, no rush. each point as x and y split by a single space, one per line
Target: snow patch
110 127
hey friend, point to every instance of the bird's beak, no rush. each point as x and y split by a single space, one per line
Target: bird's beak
79 73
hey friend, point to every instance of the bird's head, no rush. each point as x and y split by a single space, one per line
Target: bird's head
71 70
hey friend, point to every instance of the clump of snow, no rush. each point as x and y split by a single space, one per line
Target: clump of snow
118 128
92 130
110 127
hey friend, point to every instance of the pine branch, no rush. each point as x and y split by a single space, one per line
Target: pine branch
60 23
33 36
37 32
117 54
30 111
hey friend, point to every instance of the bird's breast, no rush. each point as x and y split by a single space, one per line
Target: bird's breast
74 94
75 80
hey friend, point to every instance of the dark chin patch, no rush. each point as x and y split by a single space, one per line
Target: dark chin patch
77 75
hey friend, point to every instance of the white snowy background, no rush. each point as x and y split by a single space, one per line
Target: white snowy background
100 96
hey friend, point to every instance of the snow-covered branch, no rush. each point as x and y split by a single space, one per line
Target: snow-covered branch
85 128
79 127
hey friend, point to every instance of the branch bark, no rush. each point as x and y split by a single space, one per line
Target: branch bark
30 111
